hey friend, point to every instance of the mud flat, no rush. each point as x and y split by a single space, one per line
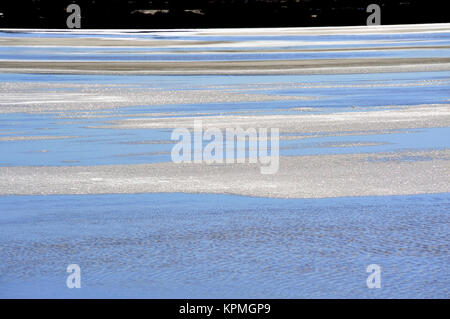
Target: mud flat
338 66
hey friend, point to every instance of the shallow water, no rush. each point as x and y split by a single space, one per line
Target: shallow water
85 145
204 45
91 55
207 246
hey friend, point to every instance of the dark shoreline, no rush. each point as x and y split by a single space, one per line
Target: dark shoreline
107 14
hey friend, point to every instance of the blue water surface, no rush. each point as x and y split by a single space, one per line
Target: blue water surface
223 246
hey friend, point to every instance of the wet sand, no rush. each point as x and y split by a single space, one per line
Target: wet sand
66 97
338 66
398 117
378 174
